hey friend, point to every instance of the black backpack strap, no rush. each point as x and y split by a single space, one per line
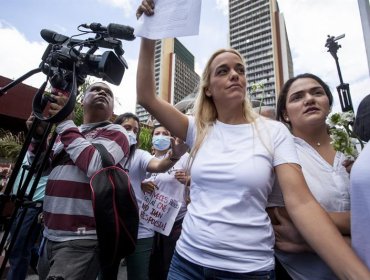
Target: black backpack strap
105 156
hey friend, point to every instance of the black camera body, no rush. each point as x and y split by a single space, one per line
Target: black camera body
66 63
65 54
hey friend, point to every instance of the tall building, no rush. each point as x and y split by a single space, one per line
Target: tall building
175 77
364 7
257 31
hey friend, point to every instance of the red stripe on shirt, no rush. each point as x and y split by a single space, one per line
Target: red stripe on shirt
68 222
69 189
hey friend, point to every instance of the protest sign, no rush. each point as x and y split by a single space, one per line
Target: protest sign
172 18
158 211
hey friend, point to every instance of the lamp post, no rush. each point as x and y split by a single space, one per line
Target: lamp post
343 88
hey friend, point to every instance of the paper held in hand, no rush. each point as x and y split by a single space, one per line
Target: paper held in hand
172 18
159 211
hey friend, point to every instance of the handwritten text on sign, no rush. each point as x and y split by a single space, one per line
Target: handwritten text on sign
158 212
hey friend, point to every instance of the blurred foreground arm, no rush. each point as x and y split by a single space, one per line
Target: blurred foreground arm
316 226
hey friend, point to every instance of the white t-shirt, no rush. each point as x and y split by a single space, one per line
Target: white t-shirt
360 201
168 184
226 226
137 173
330 186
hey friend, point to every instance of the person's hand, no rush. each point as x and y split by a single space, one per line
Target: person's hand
291 247
146 7
348 165
148 186
40 129
287 237
178 148
181 176
60 102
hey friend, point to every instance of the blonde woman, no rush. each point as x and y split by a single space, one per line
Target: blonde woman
226 232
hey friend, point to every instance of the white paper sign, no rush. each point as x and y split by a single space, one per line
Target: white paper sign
159 211
172 18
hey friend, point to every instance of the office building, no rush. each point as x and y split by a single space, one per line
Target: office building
364 8
175 76
257 31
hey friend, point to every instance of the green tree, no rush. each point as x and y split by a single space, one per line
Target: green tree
78 110
145 139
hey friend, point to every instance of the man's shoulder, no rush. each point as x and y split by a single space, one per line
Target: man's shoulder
105 126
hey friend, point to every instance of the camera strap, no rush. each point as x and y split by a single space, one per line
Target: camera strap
41 100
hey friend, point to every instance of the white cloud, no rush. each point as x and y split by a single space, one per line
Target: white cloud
197 68
223 6
19 56
126 92
126 5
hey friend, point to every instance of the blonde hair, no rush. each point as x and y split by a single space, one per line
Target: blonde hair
205 112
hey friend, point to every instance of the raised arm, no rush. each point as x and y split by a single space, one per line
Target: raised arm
164 112
316 226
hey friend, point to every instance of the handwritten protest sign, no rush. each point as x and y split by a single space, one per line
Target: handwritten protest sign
158 212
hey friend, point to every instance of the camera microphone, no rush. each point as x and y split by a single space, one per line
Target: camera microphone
124 32
114 30
52 37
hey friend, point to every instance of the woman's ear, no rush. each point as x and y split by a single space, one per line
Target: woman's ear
207 92
285 116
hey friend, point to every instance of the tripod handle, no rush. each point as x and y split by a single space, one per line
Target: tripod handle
345 97
4 89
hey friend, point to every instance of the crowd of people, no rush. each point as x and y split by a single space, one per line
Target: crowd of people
260 193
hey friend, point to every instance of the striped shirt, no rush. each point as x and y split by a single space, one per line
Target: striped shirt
68 211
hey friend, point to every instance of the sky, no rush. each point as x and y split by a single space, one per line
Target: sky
308 24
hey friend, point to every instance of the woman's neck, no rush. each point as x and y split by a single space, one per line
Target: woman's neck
320 140
315 136
158 153
231 116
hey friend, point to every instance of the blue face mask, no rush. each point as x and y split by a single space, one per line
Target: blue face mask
131 138
161 142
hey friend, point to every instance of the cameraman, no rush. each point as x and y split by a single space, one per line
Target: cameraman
70 248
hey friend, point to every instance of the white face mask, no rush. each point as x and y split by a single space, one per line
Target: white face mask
161 142
132 138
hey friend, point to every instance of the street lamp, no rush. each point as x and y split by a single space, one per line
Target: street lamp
343 88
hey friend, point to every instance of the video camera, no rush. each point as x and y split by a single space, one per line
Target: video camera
66 62
64 52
